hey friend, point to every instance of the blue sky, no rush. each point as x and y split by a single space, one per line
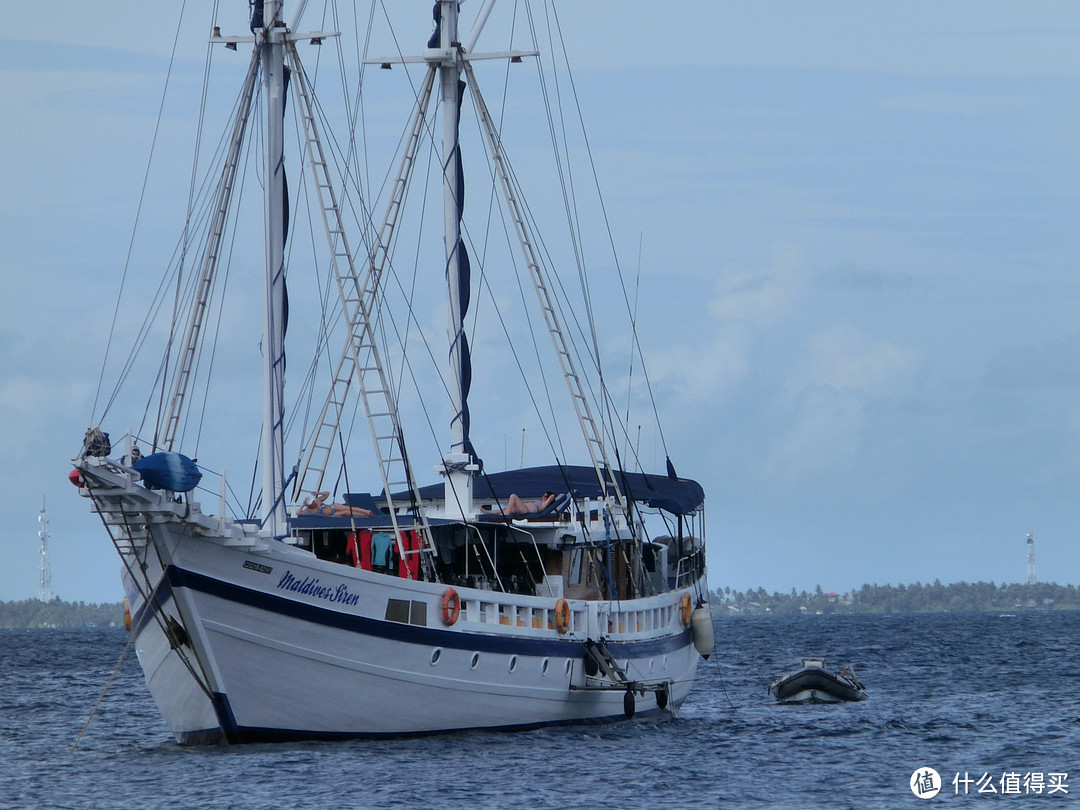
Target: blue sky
859 238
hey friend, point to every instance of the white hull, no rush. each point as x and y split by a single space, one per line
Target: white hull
270 662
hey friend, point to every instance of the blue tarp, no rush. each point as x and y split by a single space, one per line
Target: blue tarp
171 471
679 496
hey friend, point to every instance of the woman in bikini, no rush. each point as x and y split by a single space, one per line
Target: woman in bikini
516 506
315 506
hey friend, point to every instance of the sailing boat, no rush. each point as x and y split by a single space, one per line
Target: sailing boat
494 600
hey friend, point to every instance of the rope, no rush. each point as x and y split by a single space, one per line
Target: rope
723 686
150 598
134 228
104 689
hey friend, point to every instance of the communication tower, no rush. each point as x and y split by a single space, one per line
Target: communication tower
1031 558
45 591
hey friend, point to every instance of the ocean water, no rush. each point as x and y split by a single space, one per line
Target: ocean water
976 695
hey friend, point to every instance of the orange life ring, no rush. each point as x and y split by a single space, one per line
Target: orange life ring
451 607
687 609
562 616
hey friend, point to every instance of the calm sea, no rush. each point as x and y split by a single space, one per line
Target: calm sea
976 695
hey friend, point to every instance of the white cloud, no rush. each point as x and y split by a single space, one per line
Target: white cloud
696 374
825 411
822 439
708 359
843 359
759 296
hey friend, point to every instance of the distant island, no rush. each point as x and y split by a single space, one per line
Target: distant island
725 602
917 598
33 613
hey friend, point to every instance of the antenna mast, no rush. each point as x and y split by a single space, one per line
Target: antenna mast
45 591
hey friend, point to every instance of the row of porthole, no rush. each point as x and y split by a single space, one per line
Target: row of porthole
474 662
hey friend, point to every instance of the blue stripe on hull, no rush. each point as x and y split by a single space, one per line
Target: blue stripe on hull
232 733
413 634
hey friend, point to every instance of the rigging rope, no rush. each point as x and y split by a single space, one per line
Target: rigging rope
611 238
104 689
131 242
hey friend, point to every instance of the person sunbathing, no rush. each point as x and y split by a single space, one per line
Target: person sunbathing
315 506
516 506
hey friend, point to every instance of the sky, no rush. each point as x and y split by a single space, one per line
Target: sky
858 228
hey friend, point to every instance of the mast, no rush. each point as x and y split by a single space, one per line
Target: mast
460 462
272 38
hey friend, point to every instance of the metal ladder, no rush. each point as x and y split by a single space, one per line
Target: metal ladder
593 438
360 357
597 652
170 422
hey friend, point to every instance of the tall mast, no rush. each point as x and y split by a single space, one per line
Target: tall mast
272 38
459 462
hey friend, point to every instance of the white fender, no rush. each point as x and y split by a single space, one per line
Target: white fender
702 631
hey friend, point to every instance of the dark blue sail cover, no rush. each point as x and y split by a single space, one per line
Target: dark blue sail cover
256 7
287 75
679 496
433 40
464 291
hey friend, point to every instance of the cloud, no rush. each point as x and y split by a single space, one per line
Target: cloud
853 278
821 440
759 296
843 359
709 358
822 421
694 374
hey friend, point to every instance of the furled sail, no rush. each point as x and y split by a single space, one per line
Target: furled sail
459 341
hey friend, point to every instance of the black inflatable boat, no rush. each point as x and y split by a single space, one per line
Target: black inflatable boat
813 683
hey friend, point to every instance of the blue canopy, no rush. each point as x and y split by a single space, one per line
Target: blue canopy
679 496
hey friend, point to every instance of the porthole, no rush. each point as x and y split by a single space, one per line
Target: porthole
475 660
513 662
544 667
436 654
